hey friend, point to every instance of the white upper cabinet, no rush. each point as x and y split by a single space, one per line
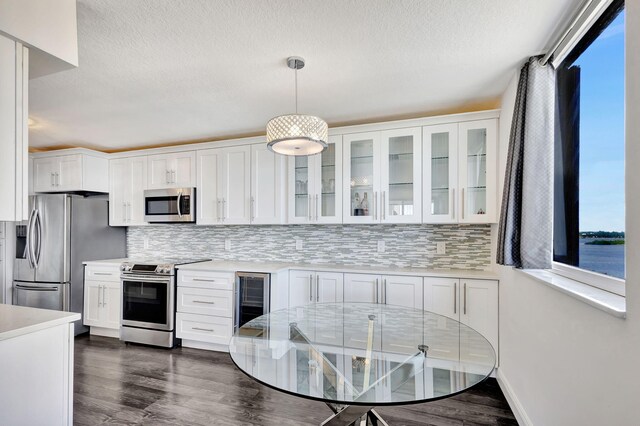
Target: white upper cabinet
208 208
127 182
401 178
236 185
14 133
315 190
477 165
72 172
382 177
267 186
440 173
459 178
175 170
224 186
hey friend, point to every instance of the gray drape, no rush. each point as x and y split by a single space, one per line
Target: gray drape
525 237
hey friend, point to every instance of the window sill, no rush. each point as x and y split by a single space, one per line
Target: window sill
610 303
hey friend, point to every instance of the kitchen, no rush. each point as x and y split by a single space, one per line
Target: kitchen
160 252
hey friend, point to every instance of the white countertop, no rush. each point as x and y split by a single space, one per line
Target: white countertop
18 320
105 261
268 267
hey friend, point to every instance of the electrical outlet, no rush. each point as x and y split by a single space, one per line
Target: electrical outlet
298 245
227 244
441 248
146 243
381 246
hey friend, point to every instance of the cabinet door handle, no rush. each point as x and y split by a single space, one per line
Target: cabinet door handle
453 203
253 208
203 280
204 302
128 212
375 206
455 297
224 203
384 288
462 204
57 179
316 207
210 330
173 176
377 281
464 312
309 207
124 212
218 210
51 179
103 273
99 295
167 178
317 288
104 295
383 205
310 287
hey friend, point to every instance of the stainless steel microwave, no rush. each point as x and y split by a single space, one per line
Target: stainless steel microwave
170 205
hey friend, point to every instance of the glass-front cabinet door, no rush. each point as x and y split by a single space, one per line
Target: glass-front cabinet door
327 202
440 175
361 180
477 174
315 191
401 161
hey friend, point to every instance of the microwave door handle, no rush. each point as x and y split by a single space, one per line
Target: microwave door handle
179 200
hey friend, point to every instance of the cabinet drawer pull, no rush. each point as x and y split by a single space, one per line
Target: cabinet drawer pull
103 273
204 280
204 301
210 330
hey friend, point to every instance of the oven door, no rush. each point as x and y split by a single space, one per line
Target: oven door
148 301
169 205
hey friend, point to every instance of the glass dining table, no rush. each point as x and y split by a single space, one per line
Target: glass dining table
358 356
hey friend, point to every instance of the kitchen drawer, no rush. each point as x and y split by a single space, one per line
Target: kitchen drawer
102 272
204 328
205 301
206 279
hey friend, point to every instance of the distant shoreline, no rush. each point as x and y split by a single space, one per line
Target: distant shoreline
616 242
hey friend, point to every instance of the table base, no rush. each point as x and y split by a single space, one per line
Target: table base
356 415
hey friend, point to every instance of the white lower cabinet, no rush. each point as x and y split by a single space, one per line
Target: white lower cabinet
472 302
102 300
306 287
205 303
388 289
204 328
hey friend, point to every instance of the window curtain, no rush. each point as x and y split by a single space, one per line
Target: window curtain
525 230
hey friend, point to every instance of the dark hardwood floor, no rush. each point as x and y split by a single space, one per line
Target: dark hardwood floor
138 385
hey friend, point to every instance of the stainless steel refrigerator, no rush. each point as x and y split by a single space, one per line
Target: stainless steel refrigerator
62 232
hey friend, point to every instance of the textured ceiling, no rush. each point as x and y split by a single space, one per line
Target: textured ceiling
160 71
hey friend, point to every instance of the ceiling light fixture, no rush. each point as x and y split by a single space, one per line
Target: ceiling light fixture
297 134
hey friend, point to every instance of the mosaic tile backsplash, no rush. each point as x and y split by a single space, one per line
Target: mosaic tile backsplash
467 246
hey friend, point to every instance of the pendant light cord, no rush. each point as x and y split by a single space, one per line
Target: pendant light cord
296 71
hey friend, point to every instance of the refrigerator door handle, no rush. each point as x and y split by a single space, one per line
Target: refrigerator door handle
29 239
38 249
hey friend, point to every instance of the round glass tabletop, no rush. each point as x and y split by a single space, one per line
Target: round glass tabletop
362 354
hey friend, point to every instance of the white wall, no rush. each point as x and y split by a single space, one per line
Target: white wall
566 362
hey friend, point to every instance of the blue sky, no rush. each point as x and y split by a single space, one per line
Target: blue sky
602 131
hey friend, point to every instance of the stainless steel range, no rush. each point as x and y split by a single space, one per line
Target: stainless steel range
149 301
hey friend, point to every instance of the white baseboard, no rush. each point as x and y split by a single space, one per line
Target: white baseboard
512 399
106 332
206 346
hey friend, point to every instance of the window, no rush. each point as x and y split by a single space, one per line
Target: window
589 156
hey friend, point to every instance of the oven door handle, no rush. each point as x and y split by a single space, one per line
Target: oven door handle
146 278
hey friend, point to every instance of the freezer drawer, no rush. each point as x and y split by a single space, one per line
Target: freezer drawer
37 295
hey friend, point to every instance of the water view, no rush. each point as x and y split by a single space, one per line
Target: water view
606 258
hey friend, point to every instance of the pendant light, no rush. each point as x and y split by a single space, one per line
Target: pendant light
297 134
